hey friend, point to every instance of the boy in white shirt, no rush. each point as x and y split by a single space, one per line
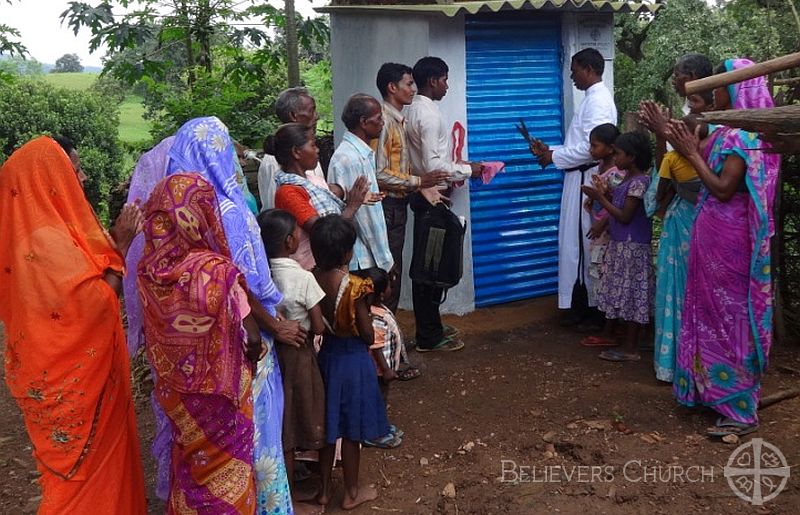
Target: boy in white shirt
428 146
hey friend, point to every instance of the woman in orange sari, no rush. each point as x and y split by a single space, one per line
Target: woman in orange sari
66 360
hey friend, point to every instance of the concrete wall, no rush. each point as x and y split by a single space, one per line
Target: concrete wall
579 31
359 45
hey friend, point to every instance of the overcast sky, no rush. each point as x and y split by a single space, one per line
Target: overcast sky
39 23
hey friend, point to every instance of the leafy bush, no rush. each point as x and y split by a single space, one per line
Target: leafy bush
30 108
110 87
319 82
241 97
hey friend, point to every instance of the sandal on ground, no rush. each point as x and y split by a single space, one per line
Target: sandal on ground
408 374
598 341
449 330
394 430
727 426
445 345
617 356
389 441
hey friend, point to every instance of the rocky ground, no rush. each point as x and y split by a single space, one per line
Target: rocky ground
525 420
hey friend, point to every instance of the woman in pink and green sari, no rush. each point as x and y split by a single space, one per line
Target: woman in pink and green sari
726 328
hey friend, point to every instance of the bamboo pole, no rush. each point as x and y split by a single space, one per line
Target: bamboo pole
778 64
782 395
784 119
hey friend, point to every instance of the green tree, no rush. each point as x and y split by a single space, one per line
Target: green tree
648 45
18 65
195 57
8 39
30 108
292 55
68 63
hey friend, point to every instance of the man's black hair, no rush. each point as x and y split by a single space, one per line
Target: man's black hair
65 142
357 107
696 65
429 68
636 144
590 58
276 225
606 133
390 73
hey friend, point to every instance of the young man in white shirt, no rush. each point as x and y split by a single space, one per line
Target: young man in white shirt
428 140
393 165
573 157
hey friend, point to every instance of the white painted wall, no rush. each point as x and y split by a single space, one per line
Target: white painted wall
401 38
579 31
361 43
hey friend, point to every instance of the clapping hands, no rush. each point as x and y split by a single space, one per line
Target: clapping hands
128 224
654 117
682 139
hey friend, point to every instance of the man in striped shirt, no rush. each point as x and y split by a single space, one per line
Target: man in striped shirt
396 85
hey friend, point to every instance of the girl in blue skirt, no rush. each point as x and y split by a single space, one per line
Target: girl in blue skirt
354 407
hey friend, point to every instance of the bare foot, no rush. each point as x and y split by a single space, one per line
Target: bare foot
301 508
365 494
324 496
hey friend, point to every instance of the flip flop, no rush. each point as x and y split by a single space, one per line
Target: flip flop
598 341
726 426
617 356
449 330
408 374
389 441
445 345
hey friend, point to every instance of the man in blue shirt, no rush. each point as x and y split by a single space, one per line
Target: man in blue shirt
362 115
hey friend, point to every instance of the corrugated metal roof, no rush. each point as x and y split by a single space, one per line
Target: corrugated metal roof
501 5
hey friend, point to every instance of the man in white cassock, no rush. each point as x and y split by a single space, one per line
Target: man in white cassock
597 107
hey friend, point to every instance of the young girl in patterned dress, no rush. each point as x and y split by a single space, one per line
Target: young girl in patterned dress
626 285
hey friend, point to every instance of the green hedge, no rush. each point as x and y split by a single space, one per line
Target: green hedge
30 108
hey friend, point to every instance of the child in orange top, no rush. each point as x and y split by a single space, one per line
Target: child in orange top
354 408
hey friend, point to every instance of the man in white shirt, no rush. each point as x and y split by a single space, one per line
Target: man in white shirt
293 105
597 107
428 147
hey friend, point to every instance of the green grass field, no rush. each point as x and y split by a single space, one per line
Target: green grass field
77 81
133 127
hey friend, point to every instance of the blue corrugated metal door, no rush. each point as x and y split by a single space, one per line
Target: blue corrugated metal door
513 72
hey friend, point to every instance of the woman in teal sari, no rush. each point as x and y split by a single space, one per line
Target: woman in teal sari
673 255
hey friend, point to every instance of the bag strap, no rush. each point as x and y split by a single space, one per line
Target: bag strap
581 274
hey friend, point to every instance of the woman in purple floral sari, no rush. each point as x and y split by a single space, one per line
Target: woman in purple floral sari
726 328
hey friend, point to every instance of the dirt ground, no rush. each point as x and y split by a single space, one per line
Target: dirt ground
524 421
